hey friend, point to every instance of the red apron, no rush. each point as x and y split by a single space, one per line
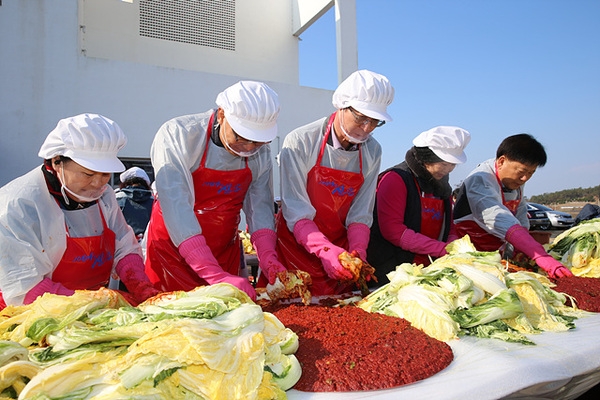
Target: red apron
481 239
331 192
432 221
219 196
87 261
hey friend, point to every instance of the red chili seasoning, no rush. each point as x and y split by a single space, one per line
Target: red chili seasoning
586 291
348 349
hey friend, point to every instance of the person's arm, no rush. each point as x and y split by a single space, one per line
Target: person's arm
298 155
358 239
485 200
309 236
131 272
32 236
452 234
176 152
522 241
258 209
264 242
391 207
46 285
258 202
200 258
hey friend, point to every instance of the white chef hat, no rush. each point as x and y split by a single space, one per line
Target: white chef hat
447 142
367 92
135 172
251 108
90 140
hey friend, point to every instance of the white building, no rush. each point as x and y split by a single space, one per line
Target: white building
142 62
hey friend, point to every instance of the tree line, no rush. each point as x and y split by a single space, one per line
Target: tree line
588 195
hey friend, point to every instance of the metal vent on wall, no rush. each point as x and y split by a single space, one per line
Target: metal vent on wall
201 22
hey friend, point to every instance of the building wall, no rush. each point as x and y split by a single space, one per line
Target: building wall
65 57
239 38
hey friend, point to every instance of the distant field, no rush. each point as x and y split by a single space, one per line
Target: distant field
572 208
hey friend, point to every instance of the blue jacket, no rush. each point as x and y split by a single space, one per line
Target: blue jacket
136 205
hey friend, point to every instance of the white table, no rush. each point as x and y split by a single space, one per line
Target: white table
560 366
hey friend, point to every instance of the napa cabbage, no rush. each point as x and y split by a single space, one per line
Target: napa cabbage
212 342
504 304
578 248
499 329
471 293
543 307
11 351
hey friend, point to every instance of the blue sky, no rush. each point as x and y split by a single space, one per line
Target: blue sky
493 67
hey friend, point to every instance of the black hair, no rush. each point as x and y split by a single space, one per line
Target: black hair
425 155
523 148
61 159
135 181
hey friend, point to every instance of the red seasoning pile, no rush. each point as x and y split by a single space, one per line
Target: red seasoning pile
586 291
346 349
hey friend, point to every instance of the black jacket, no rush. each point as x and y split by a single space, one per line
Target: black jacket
136 205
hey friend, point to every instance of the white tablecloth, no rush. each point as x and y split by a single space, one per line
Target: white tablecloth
560 366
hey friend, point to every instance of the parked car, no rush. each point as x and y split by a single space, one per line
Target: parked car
538 220
558 219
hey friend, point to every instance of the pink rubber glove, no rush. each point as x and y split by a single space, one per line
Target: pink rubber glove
420 244
553 267
131 272
201 259
128 297
46 286
522 241
308 235
264 241
358 239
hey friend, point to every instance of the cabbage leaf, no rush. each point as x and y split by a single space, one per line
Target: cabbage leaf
472 293
212 342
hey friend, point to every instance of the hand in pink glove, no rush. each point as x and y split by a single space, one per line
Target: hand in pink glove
420 244
264 241
128 297
199 257
358 239
46 286
308 235
131 272
522 241
553 267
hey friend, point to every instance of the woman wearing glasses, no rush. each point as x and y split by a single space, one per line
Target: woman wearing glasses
208 167
330 168
412 219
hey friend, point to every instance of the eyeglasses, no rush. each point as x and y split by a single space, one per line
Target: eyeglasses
363 120
243 141
244 147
